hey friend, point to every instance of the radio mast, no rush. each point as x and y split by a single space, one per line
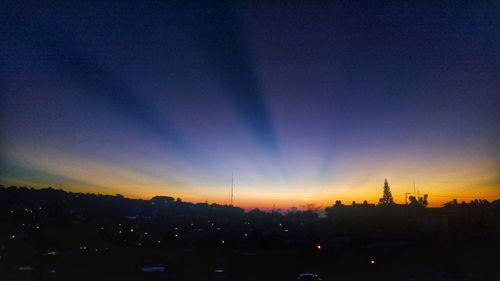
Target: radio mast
232 187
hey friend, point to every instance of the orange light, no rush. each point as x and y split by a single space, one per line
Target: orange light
318 247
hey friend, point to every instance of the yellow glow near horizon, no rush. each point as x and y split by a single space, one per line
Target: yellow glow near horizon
445 178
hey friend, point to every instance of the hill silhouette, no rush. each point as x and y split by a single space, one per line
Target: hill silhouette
51 234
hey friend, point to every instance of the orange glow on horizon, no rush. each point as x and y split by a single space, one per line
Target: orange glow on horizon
284 201
444 176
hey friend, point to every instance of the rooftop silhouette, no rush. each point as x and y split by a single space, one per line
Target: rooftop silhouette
51 234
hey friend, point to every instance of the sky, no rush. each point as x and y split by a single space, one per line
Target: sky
304 101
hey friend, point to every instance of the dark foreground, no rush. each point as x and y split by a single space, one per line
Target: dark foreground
54 235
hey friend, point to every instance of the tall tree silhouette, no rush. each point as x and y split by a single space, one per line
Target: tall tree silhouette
387 197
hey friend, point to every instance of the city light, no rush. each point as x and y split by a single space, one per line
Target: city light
314 136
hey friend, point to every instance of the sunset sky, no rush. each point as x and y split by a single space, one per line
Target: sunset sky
304 101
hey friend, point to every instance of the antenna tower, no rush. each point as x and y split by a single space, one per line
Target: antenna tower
232 187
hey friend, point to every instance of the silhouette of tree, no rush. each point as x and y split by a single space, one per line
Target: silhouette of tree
423 200
312 207
387 197
420 202
453 202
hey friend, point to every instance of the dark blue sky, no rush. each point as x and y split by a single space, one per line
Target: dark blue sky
302 100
